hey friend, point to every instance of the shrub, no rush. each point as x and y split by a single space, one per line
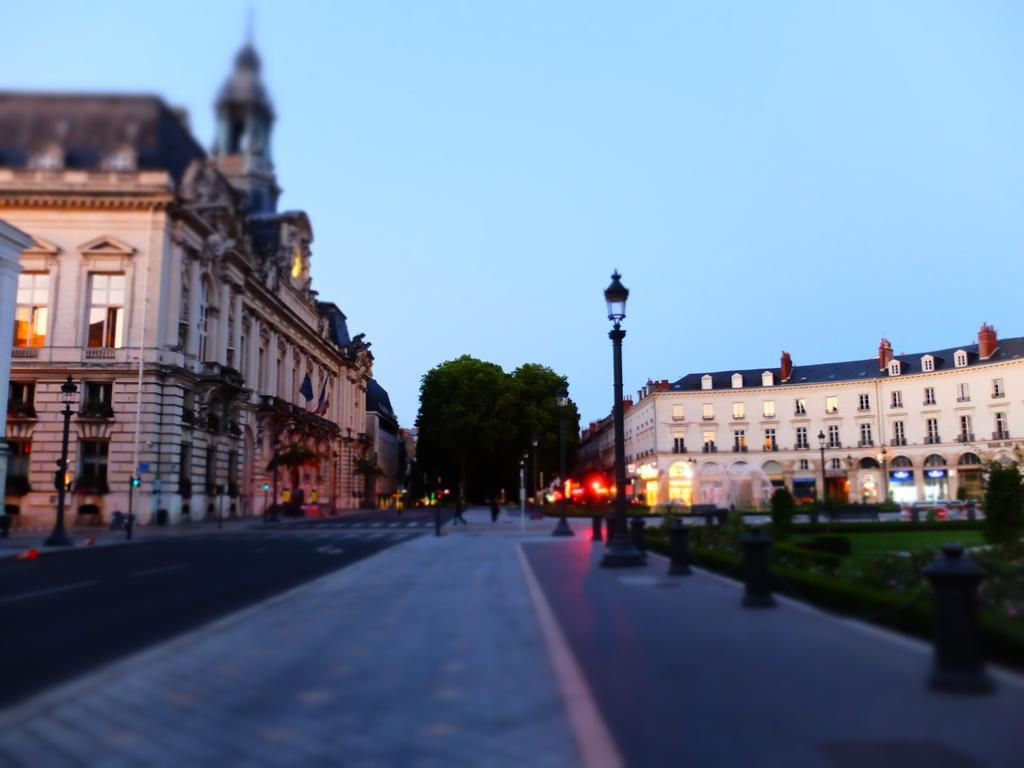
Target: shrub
798 556
837 545
783 509
1004 505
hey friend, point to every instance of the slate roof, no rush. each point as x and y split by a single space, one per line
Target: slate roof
336 322
853 370
377 401
88 127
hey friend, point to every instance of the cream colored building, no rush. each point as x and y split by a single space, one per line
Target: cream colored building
914 427
12 243
165 281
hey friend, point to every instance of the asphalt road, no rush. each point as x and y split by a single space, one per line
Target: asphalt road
417 518
68 612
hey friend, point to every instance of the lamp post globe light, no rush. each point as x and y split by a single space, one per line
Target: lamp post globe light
59 537
562 399
620 552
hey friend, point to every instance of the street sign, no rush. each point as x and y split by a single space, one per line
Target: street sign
143 468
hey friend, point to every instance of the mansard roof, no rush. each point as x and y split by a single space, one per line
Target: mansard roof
377 401
88 127
337 324
852 370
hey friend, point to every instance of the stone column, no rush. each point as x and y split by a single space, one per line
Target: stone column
236 341
222 324
252 374
270 384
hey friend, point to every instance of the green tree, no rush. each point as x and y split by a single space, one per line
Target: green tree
1004 505
783 509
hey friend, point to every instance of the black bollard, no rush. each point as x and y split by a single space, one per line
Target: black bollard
595 526
609 529
958 665
679 549
757 571
437 520
636 533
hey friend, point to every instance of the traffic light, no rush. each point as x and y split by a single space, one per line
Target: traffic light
266 486
135 482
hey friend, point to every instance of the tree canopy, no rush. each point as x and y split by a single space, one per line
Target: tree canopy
476 422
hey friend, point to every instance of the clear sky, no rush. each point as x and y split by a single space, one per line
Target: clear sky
807 176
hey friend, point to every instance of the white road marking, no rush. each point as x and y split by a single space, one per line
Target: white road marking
44 592
161 569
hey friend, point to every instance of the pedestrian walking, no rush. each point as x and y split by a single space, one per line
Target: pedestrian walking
458 509
495 510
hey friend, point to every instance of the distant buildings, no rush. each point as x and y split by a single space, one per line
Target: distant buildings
385 448
167 283
913 427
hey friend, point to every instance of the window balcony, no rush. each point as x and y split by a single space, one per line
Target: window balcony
18 410
965 437
705 417
770 447
836 444
863 408
96 409
898 441
800 412
25 353
710 448
865 443
932 440
802 447
1001 434
998 393
737 448
831 411
966 399
928 401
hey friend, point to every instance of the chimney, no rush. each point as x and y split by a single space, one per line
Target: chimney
627 403
988 343
785 367
884 354
664 383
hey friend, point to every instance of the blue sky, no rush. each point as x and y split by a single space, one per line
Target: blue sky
807 176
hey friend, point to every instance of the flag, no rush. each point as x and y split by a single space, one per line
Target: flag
324 403
306 390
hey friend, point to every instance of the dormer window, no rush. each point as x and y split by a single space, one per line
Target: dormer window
895 368
47 158
767 379
927 363
121 159
960 358
705 381
737 381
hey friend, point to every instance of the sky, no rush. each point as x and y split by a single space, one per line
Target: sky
808 176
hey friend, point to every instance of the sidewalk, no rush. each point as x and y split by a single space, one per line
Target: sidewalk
491 647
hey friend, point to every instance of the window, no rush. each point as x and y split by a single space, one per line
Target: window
203 323
803 464
185 468
865 435
705 382
833 436
831 405
801 407
677 412
739 440
232 473
48 158
863 402
709 442
898 435
769 440
31 313
709 411
929 395
801 438
21 397
737 381
768 409
738 412
767 379
678 445
931 429
966 428
1002 430
106 310
960 358
97 399
836 464
121 159
211 470
896 399
93 462
963 394
229 356
894 368
927 363
997 388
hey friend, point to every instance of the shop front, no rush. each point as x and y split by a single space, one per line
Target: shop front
646 484
680 483
775 473
869 481
936 478
805 488
902 488
837 486
970 482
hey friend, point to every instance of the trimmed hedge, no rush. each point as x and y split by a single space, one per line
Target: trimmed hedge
1003 643
951 525
805 555
837 545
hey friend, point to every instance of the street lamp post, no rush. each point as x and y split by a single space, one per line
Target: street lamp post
535 487
882 457
59 537
522 493
620 552
824 484
562 398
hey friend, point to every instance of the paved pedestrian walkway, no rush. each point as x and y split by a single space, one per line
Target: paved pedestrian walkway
496 646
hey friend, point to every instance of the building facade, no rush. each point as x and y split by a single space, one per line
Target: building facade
164 280
382 434
906 427
12 242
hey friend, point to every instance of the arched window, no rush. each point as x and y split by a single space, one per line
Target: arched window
767 379
895 368
121 159
934 460
868 463
901 462
737 381
927 363
47 158
705 381
960 358
969 460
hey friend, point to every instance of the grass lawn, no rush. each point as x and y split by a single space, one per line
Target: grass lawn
868 546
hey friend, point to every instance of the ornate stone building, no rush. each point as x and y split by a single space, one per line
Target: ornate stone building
165 281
